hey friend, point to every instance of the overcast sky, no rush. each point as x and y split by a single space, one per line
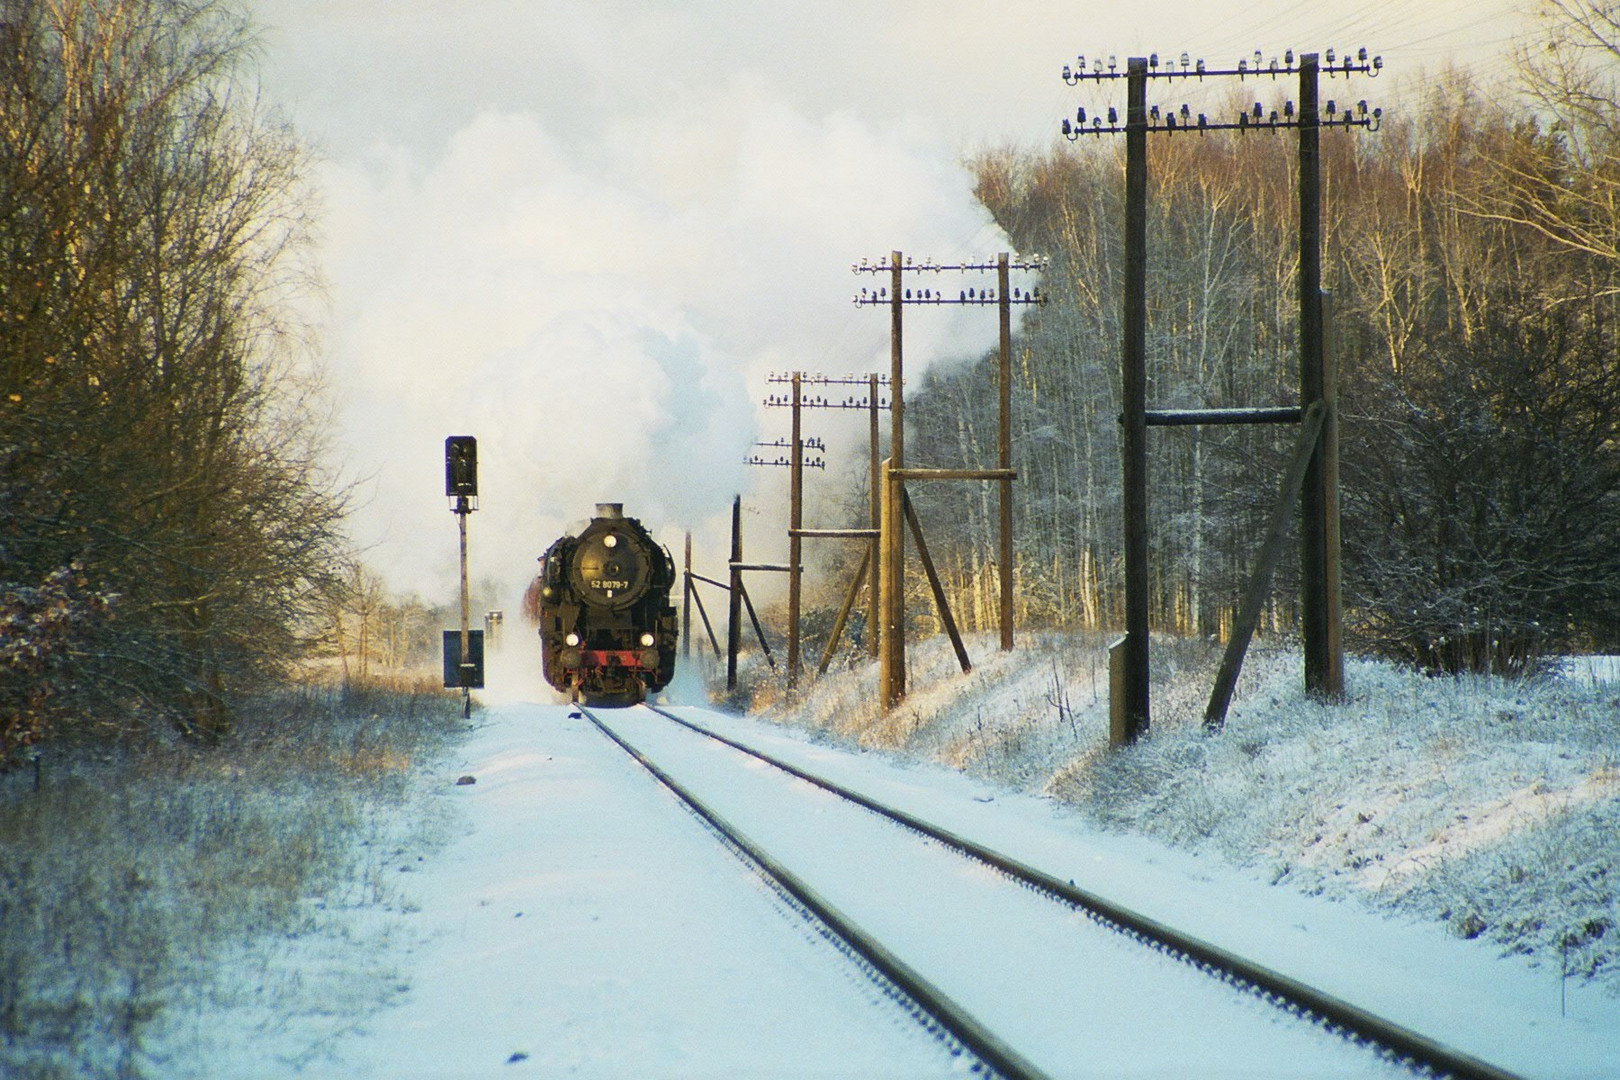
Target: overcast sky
586 231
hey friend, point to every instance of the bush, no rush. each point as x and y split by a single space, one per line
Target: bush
126 878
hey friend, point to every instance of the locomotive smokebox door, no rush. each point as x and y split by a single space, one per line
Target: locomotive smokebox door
460 466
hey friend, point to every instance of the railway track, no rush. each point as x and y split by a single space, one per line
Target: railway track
949 993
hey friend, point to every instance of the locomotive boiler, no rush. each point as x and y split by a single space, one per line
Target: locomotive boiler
607 628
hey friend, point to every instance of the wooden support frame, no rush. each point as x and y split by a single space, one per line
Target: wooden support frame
896 506
740 599
1254 596
890 596
797 533
693 596
943 605
845 609
1320 570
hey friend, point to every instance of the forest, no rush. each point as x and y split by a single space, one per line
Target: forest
1471 248
170 537
171 530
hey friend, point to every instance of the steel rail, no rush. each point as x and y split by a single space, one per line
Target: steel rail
961 1024
1412 1045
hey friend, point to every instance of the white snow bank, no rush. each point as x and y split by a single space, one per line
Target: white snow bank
1491 806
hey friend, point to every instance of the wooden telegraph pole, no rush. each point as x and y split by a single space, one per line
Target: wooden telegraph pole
892 541
734 590
892 506
1004 449
1320 607
874 481
1314 477
795 542
1133 354
686 603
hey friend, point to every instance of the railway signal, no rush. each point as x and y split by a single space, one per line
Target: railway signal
464 647
1318 484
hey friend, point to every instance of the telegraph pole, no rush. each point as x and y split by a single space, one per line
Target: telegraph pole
891 561
795 543
686 603
797 401
1320 603
1004 447
875 497
1134 437
735 588
892 549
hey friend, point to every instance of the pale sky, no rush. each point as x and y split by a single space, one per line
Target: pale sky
585 231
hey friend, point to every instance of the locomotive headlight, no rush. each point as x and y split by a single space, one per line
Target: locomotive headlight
647 640
571 640
610 540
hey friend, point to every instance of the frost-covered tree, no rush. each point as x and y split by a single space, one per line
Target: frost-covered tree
154 427
1478 383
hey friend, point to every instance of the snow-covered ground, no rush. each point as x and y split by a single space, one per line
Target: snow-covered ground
559 918
1489 807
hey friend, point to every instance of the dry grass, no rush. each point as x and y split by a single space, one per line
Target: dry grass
126 875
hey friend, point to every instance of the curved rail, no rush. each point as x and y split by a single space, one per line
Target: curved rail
1412 1045
961 1024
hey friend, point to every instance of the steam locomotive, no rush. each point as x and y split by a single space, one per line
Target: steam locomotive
607 628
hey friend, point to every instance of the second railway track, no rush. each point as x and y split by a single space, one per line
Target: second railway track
1036 975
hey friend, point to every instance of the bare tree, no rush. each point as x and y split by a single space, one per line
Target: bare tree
160 432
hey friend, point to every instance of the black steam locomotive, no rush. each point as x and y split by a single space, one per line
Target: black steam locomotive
607 628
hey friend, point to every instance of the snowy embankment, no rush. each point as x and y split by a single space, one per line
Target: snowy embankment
549 911
1489 805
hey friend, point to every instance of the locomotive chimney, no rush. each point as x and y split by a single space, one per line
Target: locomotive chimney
610 510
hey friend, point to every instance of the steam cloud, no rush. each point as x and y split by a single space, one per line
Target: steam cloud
606 327
585 233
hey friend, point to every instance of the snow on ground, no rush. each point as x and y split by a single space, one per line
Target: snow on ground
559 917
1416 974
1490 806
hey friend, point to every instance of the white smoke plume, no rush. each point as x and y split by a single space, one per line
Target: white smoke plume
586 232
607 334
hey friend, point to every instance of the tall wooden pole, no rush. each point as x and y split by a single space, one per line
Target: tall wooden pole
893 565
891 660
1316 610
686 604
1134 682
734 621
876 478
1333 576
795 543
1004 453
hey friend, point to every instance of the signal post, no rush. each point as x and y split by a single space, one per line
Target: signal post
463 650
